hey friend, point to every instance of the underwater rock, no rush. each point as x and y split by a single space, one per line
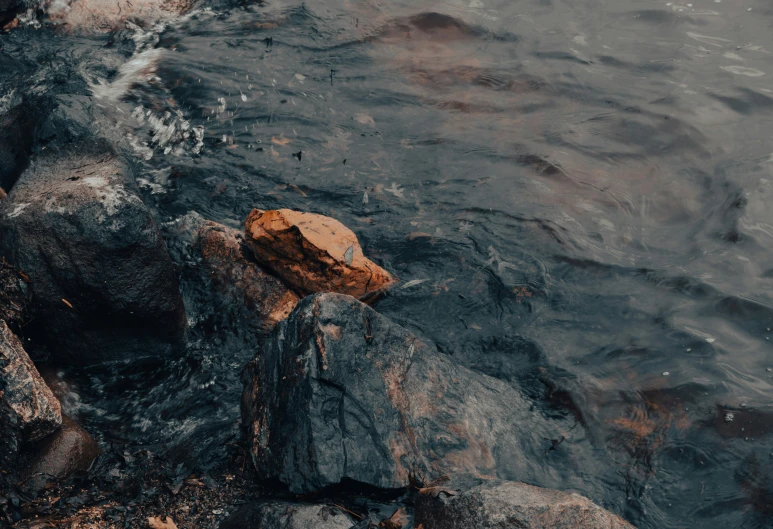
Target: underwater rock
285 515
313 253
239 279
102 284
70 449
340 392
496 504
28 410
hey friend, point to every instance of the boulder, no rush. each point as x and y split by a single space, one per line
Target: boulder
28 410
102 284
239 279
19 119
13 296
108 15
285 515
340 392
495 504
313 253
70 449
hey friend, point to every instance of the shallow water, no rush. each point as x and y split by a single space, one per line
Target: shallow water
573 193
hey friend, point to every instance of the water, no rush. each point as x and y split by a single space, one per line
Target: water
574 195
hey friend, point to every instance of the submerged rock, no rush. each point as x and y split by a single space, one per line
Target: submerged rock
498 504
103 286
313 253
239 279
28 410
340 392
285 515
70 449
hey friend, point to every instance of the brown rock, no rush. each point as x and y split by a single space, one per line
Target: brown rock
104 15
70 449
24 391
507 504
239 279
3 194
313 253
28 409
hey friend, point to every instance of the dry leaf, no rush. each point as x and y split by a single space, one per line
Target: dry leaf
156 523
67 303
436 491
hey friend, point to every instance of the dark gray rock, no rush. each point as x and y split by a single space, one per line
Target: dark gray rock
285 515
340 392
8 9
19 119
495 504
102 283
28 410
13 296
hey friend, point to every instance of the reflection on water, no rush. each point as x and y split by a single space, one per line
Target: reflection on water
574 194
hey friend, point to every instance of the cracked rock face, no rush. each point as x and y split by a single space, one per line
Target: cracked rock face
102 284
286 515
28 410
239 279
505 504
313 253
340 392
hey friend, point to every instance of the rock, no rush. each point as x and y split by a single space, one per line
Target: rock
313 253
239 279
498 504
284 515
8 9
28 410
340 392
19 119
70 449
108 15
13 296
102 283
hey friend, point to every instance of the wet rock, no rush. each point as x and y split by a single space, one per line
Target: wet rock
340 392
498 504
313 253
13 296
102 283
19 120
28 409
107 15
8 9
283 515
240 279
70 449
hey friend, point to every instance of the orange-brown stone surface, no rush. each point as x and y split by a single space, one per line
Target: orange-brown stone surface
313 253
239 278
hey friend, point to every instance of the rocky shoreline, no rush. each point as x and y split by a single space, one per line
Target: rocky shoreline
349 420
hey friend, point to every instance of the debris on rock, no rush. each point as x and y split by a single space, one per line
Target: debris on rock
239 279
494 504
340 392
313 253
103 285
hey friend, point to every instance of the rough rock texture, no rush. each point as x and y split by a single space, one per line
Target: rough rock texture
28 409
19 119
313 253
103 286
70 449
506 504
107 15
283 515
8 9
239 279
339 391
13 296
